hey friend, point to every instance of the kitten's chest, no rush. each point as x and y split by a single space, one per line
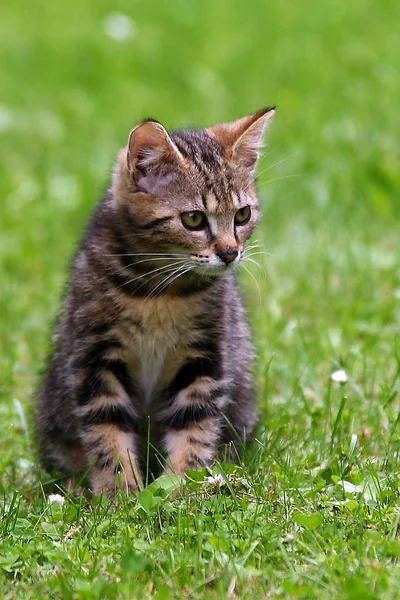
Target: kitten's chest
157 342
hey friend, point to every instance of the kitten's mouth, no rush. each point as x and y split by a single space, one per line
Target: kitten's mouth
206 268
216 263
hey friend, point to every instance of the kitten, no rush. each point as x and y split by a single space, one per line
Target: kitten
152 342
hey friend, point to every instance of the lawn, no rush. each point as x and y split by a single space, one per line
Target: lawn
313 510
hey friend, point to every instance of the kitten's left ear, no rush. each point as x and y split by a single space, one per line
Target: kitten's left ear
149 144
241 139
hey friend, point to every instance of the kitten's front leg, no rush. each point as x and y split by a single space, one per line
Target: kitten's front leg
112 456
192 447
109 427
193 421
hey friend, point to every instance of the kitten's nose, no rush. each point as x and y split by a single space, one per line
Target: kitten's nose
228 254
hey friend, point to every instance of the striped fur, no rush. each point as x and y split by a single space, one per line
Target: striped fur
152 338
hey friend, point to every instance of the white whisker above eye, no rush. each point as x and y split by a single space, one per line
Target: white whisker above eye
275 164
283 177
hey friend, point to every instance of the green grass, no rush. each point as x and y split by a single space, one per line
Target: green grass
313 511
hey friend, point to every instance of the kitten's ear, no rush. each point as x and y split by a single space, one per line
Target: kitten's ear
148 145
242 139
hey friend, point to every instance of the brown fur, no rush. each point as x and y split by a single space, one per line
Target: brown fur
152 339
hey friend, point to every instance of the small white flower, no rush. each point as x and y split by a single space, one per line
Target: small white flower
57 498
216 480
119 27
340 376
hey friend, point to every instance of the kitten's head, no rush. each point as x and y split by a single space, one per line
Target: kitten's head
191 193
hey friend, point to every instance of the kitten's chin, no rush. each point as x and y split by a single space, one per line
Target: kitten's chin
214 270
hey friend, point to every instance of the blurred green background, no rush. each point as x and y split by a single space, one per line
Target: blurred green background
75 77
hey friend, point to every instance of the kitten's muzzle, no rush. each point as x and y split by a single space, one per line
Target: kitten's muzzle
228 254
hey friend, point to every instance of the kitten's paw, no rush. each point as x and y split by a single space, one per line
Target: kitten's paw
109 483
74 488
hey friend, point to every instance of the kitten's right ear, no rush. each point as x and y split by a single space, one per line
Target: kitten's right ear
149 145
241 139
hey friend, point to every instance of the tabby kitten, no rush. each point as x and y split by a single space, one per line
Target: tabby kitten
152 342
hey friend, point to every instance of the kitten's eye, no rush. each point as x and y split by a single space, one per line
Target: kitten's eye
194 219
243 215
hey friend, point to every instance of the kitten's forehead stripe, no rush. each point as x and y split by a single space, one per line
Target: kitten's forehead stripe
197 144
212 202
213 175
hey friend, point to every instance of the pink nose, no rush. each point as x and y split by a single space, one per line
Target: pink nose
227 255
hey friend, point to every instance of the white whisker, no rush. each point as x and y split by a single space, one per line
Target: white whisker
255 281
283 177
174 278
262 268
164 254
258 252
148 260
275 164
166 273
253 246
278 162
163 268
170 277
247 258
